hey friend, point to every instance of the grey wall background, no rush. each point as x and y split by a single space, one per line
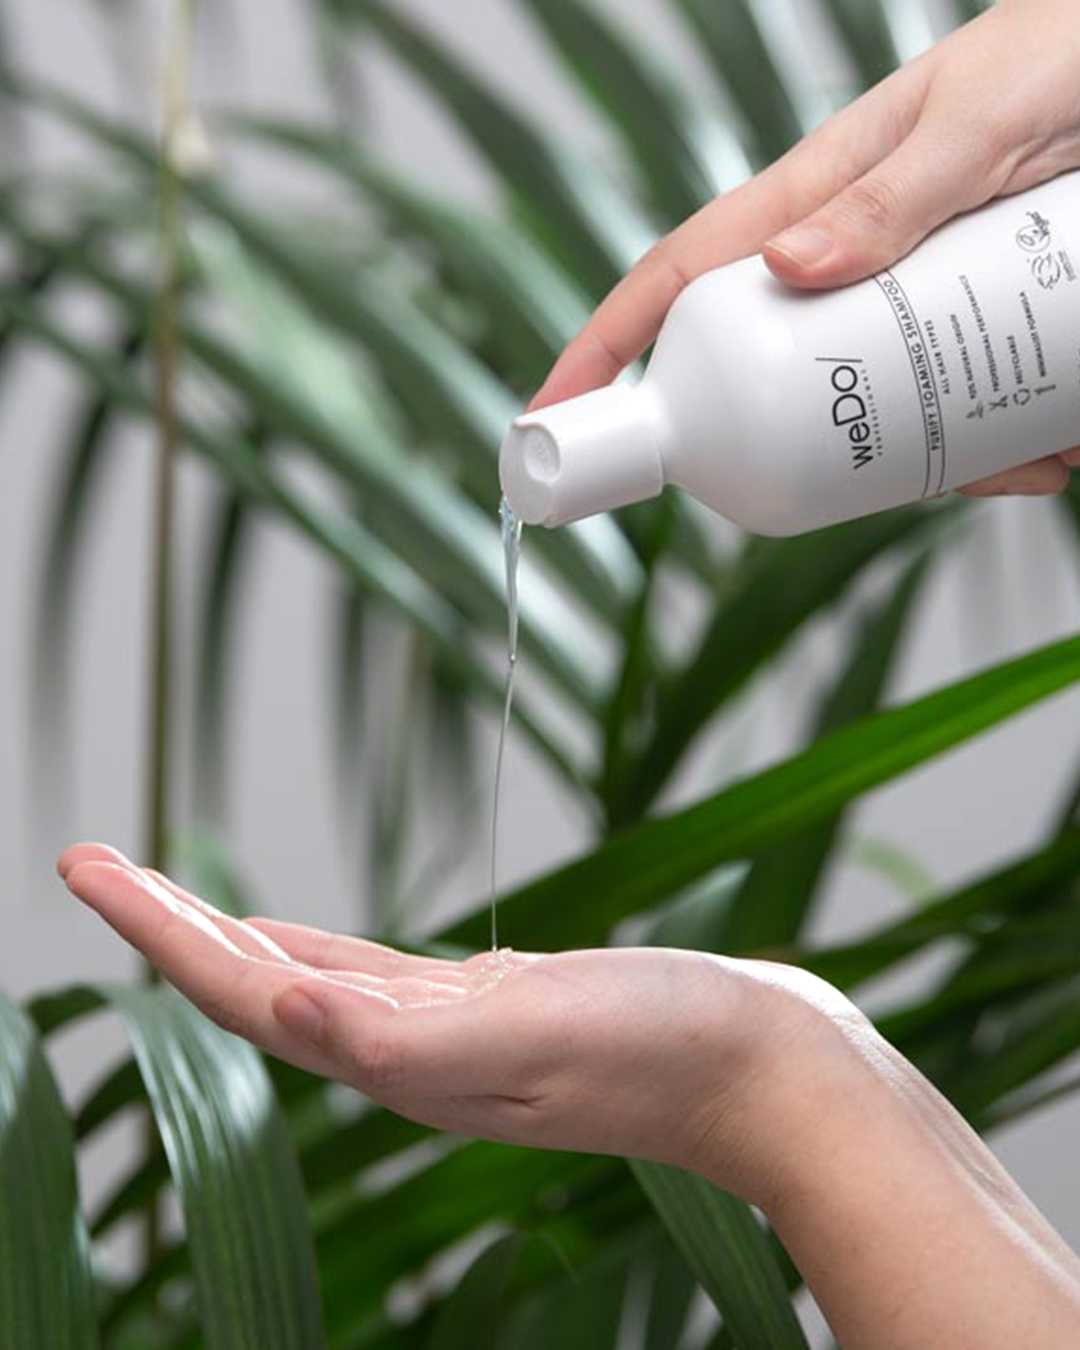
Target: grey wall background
1010 585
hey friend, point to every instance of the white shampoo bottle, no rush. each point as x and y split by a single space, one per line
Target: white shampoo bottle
787 410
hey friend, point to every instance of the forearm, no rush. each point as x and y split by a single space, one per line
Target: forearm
906 1228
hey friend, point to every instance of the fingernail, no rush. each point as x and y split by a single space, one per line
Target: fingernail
299 1013
804 244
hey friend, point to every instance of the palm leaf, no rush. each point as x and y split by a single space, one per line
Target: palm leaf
776 899
671 1292
581 1311
726 1249
865 30
579 903
683 159
469 1319
784 584
1018 885
533 307
235 1171
1031 1041
363 556
227 543
570 207
46 1288
78 486
467 403
732 38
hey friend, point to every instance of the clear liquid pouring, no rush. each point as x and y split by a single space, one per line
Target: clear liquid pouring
511 541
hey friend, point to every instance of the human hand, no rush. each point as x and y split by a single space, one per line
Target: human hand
651 1053
759 1076
992 110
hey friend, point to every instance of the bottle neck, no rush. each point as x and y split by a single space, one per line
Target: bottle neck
590 454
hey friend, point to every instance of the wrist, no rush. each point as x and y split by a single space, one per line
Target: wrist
808 1064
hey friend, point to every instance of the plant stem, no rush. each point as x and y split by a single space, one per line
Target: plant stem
167 364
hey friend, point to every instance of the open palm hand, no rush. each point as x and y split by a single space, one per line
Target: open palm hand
643 1052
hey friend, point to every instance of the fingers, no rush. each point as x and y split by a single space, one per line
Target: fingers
334 951
444 1048
400 1037
935 174
291 943
236 990
248 939
735 226
1040 478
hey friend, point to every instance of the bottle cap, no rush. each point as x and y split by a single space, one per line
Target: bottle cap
589 454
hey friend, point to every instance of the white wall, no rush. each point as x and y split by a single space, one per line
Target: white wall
1010 586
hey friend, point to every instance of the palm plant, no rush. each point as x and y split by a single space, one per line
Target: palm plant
387 344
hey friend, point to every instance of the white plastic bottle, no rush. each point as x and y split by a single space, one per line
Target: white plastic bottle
788 410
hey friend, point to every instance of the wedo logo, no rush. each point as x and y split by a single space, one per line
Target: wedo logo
852 409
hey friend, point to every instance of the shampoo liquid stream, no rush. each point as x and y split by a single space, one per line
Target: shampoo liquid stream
789 410
511 542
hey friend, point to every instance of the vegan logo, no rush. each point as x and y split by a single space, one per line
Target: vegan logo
1049 266
1035 237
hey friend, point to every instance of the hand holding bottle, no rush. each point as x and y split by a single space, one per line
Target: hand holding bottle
990 111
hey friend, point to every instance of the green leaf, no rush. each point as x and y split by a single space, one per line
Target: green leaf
533 306
684 158
731 37
1019 885
36 272
895 864
78 486
413 508
785 583
468 404
578 904
776 899
580 1311
434 375
1068 503
697 919
470 1318
351 633
726 1248
120 1088
227 539
864 28
636 681
1030 1043
1027 1101
46 1286
206 866
671 1293
970 9
997 976
364 557
236 1174
570 207
389 1234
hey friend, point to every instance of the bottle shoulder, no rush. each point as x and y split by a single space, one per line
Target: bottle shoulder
724 371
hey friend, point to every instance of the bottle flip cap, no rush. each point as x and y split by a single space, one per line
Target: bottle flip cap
589 454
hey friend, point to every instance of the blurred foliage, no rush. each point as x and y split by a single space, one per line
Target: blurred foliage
383 345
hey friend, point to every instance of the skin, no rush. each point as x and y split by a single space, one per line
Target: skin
756 1075
992 110
759 1076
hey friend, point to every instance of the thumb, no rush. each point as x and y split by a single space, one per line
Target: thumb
883 215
